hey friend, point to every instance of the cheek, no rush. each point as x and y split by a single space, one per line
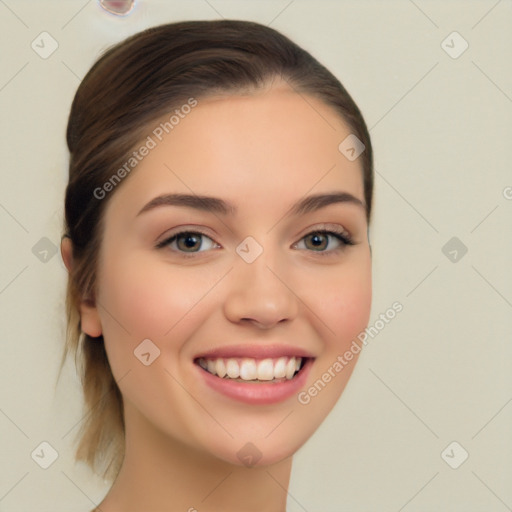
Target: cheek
346 304
148 298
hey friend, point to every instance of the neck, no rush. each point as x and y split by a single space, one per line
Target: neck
162 474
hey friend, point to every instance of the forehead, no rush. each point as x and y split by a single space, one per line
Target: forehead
269 147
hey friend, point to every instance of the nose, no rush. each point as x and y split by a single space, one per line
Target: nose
260 293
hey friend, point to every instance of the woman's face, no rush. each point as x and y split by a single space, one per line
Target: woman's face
259 286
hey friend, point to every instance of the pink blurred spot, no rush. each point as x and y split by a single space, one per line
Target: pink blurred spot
119 7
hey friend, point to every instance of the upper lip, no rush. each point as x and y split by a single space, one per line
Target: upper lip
255 351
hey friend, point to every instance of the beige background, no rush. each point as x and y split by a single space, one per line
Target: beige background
439 372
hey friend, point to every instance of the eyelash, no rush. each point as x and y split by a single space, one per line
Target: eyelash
340 235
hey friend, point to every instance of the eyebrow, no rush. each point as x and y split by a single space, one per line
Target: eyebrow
216 205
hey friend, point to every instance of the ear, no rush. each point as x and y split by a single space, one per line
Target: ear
66 252
89 317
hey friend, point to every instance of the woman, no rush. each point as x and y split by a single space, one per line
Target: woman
216 238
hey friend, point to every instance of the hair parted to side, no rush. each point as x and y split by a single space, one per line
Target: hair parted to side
134 83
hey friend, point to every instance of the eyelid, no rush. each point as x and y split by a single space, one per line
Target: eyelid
336 229
183 229
333 230
327 226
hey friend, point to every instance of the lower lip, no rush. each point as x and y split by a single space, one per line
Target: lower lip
258 393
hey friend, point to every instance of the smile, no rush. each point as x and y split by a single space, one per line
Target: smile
253 380
253 370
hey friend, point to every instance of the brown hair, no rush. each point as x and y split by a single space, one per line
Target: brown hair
134 83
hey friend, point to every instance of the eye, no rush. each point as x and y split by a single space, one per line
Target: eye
187 242
191 242
320 238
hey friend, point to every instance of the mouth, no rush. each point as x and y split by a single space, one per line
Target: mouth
251 370
255 380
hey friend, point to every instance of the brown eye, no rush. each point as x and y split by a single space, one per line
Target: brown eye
187 242
317 241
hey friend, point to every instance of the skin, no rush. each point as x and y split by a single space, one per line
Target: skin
262 152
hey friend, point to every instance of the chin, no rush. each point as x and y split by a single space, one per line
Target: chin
250 451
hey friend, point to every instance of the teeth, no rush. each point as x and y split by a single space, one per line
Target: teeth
280 368
252 369
290 368
248 370
233 369
210 366
266 369
221 368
